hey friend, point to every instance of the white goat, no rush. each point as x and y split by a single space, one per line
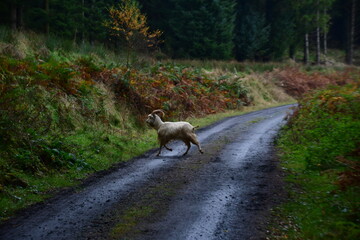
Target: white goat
168 131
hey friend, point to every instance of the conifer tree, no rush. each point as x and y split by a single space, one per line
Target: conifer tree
202 29
350 34
252 34
283 39
310 17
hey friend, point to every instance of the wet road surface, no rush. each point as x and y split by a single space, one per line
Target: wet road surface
225 193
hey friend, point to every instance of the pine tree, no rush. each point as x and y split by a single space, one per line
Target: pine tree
158 12
95 14
305 19
252 33
16 8
224 27
351 5
322 23
202 29
311 17
325 21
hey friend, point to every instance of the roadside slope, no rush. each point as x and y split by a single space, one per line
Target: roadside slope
65 115
230 184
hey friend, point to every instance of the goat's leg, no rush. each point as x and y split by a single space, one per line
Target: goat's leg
163 144
188 147
167 148
195 141
159 150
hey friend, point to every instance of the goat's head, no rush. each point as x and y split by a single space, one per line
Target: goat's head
151 119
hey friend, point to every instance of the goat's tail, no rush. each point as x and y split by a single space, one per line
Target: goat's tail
195 128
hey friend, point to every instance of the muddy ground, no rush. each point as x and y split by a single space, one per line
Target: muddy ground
225 193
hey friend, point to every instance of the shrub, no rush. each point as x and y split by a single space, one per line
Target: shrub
296 82
326 125
321 153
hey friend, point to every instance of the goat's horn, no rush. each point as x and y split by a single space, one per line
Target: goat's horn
158 111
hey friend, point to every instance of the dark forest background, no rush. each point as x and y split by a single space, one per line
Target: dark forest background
206 29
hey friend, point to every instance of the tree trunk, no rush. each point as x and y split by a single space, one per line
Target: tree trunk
90 33
13 17
47 10
351 33
83 21
75 37
19 17
292 52
318 50
325 35
306 49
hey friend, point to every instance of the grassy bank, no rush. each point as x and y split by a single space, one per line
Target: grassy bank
70 110
321 154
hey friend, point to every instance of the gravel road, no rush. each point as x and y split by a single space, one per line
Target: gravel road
225 193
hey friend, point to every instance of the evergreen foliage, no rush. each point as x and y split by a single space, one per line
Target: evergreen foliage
284 37
202 29
252 36
212 29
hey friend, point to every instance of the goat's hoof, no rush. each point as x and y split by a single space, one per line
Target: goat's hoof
201 151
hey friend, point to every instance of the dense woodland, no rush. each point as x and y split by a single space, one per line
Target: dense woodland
213 29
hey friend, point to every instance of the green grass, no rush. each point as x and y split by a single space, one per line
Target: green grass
234 66
29 44
38 189
320 153
335 57
100 150
65 113
130 220
317 209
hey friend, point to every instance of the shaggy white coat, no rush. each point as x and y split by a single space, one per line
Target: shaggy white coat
168 131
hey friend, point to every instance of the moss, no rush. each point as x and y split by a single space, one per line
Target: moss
130 219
